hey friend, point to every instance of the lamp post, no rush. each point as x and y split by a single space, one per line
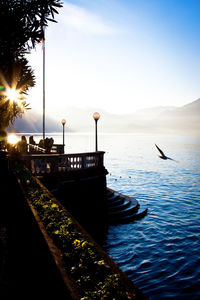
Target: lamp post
63 122
96 117
43 45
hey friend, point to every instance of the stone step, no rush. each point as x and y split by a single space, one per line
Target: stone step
142 211
118 206
109 193
115 201
113 197
123 209
133 207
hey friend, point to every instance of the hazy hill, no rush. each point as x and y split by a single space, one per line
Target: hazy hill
191 108
32 122
185 119
151 112
182 119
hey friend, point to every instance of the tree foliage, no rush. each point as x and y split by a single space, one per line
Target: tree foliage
22 22
22 25
17 75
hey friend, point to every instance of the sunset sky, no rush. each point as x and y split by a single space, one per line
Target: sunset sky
120 56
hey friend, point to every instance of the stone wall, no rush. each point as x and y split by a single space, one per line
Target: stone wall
83 193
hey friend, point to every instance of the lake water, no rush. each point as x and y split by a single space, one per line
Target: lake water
160 253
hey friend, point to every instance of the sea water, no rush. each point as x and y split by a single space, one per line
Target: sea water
160 252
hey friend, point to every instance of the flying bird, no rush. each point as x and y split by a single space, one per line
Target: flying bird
163 156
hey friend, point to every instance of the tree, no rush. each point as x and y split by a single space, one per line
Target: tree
22 25
16 79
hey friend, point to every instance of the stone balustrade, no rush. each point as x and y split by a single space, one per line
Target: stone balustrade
47 163
56 149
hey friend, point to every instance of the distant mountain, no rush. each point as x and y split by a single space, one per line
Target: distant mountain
152 112
32 122
182 119
192 108
185 119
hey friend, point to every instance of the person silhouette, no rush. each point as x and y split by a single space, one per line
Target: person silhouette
31 140
22 145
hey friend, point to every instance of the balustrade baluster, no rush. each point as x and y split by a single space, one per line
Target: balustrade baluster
41 163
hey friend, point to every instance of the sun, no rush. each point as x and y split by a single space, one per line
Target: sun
13 139
12 94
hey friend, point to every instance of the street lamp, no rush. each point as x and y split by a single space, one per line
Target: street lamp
96 117
63 122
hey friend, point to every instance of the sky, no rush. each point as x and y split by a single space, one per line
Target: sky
119 56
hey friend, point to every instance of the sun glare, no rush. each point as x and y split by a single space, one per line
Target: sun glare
12 94
13 139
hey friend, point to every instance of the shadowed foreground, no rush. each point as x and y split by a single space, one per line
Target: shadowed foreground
26 267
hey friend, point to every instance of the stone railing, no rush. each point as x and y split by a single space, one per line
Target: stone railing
56 149
34 149
46 163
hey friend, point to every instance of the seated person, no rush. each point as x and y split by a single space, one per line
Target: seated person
48 143
31 140
22 145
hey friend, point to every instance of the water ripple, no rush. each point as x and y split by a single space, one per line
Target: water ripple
160 253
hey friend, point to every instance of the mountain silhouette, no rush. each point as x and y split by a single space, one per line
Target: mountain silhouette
184 119
32 121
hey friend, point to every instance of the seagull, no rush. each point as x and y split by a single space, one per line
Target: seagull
163 156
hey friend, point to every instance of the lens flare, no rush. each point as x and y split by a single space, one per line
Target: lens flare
13 94
13 139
